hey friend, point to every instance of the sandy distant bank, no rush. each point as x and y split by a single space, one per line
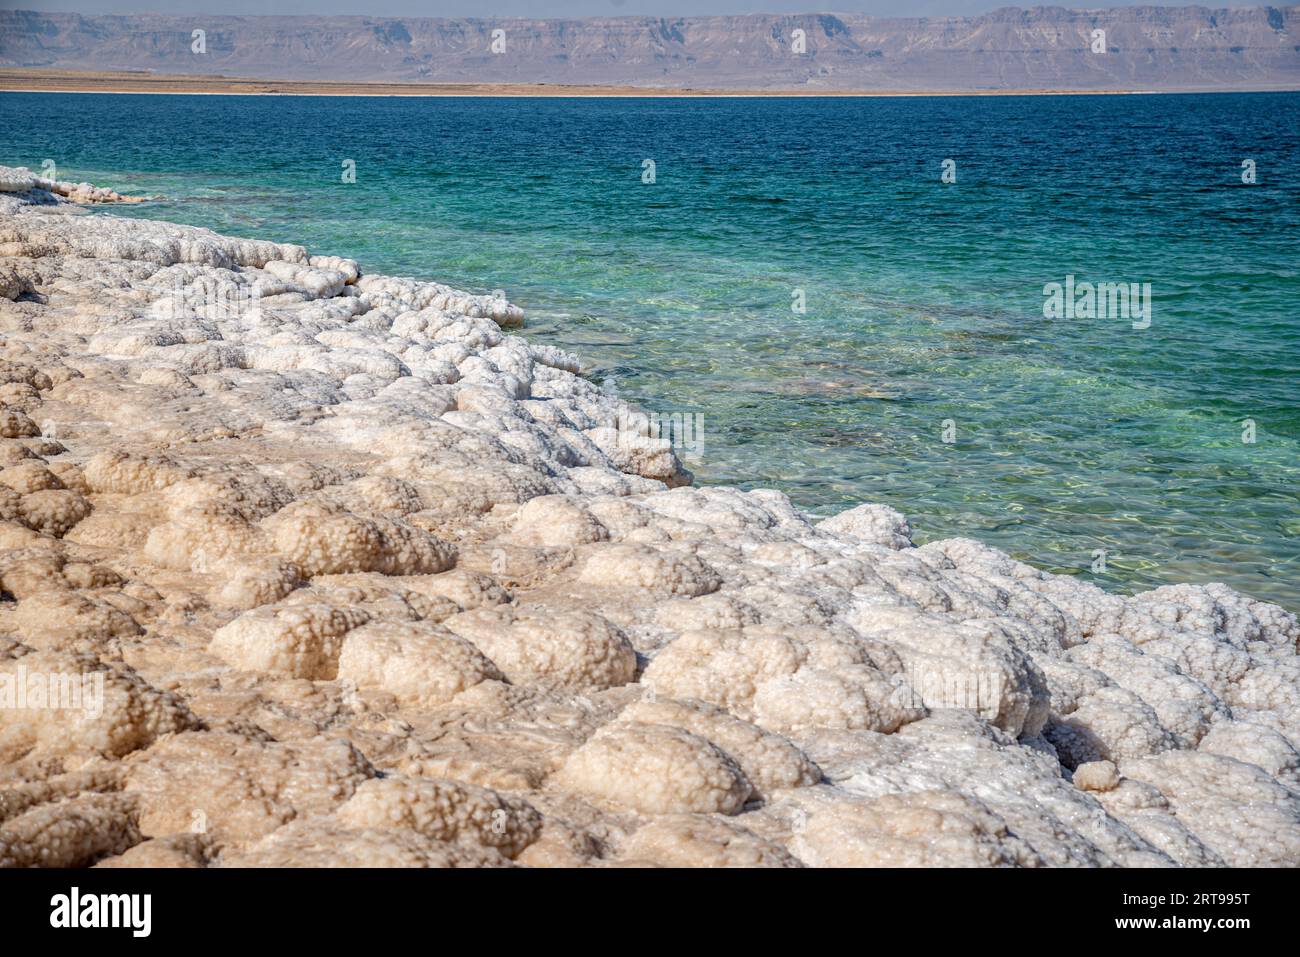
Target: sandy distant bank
22 79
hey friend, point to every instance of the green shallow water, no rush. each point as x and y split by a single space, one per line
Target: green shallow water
924 299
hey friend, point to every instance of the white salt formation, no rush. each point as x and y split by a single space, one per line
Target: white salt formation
22 180
347 574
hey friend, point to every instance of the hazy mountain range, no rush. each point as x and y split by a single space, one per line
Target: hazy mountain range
1161 48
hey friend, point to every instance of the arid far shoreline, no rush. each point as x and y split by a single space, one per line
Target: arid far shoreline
37 80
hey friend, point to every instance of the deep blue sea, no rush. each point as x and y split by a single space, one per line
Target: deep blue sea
922 372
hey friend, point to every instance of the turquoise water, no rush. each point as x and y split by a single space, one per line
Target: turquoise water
924 299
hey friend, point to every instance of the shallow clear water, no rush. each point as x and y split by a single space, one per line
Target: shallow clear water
924 299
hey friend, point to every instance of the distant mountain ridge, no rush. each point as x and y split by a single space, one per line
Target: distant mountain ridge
1156 48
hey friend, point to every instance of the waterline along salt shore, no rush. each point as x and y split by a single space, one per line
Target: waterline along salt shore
368 576
854 316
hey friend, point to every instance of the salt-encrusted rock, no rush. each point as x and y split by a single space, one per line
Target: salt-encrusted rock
249 582
313 844
692 840
16 425
553 521
237 789
298 640
179 850
925 829
322 539
878 524
653 571
74 833
769 761
77 707
371 580
1096 776
16 179
13 281
577 651
782 682
656 769
1237 810
422 665
1255 744
21 179
445 811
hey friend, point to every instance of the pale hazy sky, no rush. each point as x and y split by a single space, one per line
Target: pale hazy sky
566 8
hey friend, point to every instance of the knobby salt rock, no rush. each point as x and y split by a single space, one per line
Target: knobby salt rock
370 580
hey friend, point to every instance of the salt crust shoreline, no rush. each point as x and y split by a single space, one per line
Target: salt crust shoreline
366 579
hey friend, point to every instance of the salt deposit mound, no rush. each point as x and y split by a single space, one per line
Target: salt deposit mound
364 578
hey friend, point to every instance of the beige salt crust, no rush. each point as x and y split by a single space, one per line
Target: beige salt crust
346 572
